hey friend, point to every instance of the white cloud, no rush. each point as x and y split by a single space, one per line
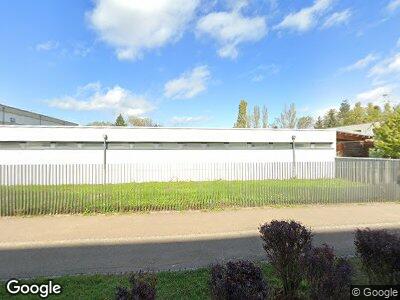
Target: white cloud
47 46
259 73
189 84
80 49
134 26
362 63
393 5
376 95
337 18
230 29
387 66
75 48
93 97
306 18
186 120
258 78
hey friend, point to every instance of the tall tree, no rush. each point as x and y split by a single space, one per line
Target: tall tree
287 118
305 122
256 117
120 121
330 119
265 117
387 136
358 114
387 110
319 124
373 113
344 111
242 118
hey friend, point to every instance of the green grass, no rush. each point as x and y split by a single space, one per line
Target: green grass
170 285
66 199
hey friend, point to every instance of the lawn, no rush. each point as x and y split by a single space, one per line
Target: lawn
153 196
170 285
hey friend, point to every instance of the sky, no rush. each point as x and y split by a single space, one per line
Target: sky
189 62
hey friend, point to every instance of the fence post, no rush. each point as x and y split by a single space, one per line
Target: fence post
105 159
294 157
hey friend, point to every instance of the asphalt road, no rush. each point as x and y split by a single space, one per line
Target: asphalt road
60 245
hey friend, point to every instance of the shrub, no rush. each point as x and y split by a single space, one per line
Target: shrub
238 280
286 244
379 252
218 282
143 287
328 277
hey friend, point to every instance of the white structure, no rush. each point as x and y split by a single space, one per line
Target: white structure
77 145
162 154
16 116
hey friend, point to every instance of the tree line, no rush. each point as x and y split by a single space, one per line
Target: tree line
132 121
260 119
288 118
386 128
358 114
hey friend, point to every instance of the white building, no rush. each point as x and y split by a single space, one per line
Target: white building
161 154
78 145
16 116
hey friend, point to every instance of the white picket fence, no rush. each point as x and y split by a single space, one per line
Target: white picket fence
145 172
366 170
56 189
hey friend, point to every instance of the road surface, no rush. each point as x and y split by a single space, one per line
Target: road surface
61 245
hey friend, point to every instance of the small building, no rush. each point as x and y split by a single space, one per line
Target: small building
354 140
366 129
15 116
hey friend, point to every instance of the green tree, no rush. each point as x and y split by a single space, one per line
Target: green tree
120 121
344 111
319 124
265 117
387 136
387 110
373 113
242 118
305 122
358 114
330 119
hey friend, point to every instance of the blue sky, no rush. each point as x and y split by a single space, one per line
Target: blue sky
189 62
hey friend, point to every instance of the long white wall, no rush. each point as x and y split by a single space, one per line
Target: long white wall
118 134
21 157
162 165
